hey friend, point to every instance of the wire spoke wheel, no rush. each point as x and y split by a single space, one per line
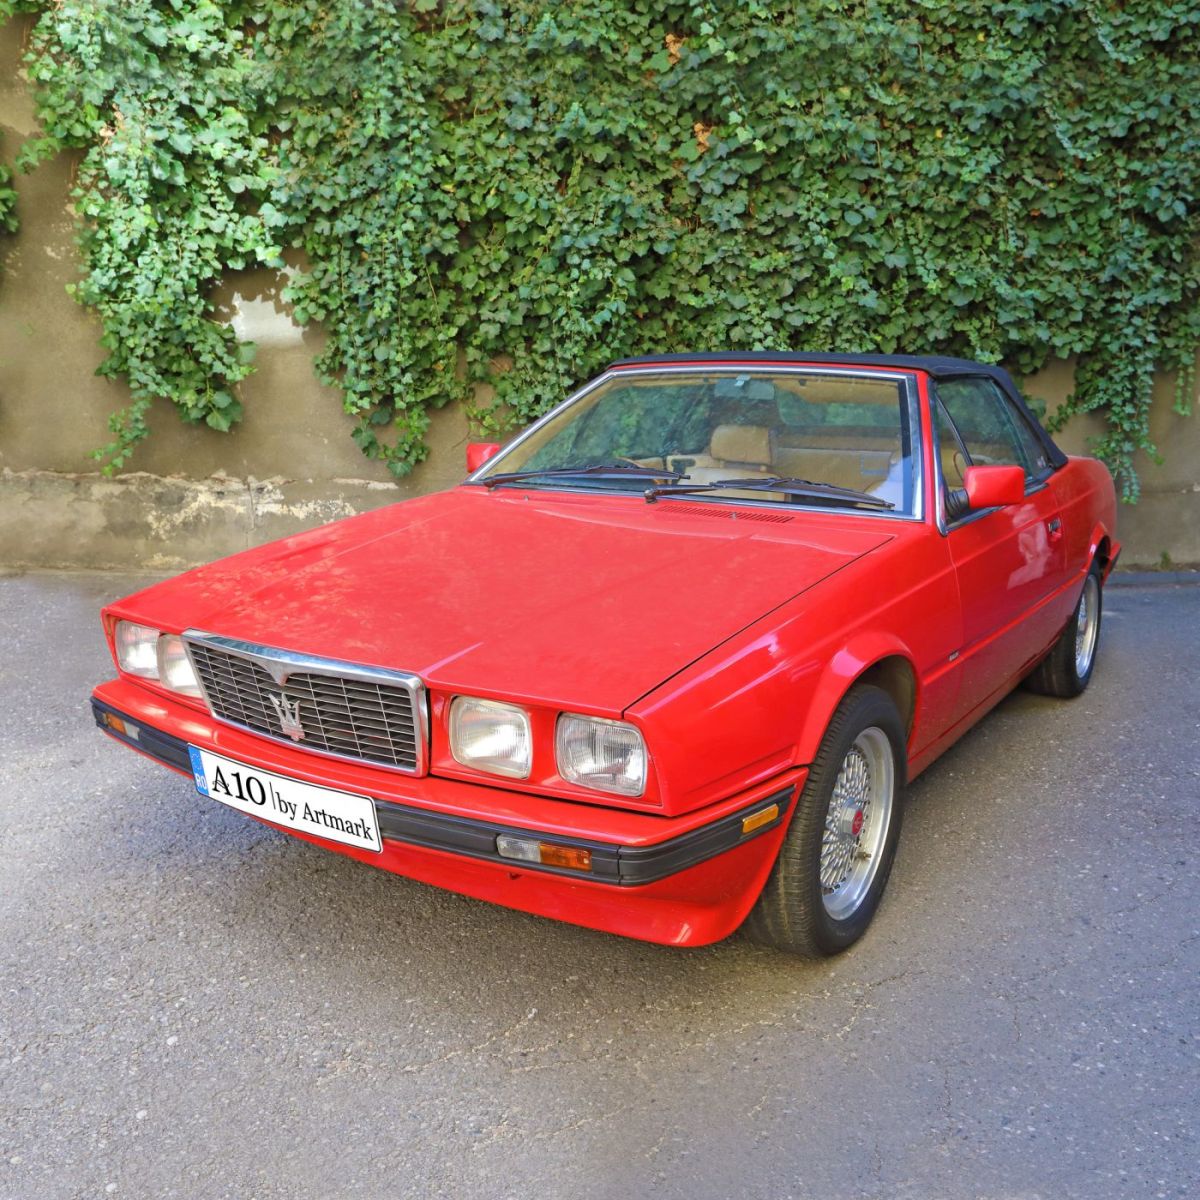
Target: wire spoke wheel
857 823
1066 669
834 864
1087 626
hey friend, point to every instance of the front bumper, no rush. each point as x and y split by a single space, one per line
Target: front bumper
685 880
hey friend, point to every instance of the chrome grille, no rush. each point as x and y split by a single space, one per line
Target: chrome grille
345 710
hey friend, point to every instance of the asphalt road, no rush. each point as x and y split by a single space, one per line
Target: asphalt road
196 1006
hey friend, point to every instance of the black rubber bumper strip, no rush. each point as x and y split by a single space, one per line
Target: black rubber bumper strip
167 749
627 866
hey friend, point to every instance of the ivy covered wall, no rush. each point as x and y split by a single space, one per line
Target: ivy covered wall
518 193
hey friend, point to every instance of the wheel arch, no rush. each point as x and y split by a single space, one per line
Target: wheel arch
1100 549
895 675
882 662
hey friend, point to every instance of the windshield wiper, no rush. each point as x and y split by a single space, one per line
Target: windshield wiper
597 471
773 483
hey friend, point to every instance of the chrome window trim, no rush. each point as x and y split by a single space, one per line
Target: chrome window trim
907 380
280 664
935 453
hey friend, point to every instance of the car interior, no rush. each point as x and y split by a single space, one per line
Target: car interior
834 430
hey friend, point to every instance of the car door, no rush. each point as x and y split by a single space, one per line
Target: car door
1009 560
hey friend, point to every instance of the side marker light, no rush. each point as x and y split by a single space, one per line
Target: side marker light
757 820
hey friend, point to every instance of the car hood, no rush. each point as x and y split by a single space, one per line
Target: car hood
583 600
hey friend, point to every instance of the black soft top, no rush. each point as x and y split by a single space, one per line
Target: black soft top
937 365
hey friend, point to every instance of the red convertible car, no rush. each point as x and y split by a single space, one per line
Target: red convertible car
662 665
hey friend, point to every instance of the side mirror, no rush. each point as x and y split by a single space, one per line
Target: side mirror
478 453
989 487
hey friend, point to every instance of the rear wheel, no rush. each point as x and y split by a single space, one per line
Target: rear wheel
1067 669
835 861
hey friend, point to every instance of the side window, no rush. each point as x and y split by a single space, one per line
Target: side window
990 428
950 449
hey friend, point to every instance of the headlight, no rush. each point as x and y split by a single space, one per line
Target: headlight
174 666
609 756
143 651
137 649
491 736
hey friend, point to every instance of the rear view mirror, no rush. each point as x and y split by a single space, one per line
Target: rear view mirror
743 387
989 487
478 453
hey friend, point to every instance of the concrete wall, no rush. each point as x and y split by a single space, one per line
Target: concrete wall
193 494
1163 527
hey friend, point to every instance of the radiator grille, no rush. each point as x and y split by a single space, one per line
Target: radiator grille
339 714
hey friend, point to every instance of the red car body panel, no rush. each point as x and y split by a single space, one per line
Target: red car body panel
698 905
470 586
727 634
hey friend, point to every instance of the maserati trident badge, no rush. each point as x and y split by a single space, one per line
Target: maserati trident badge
289 717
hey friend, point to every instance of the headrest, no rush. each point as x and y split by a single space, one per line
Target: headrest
742 444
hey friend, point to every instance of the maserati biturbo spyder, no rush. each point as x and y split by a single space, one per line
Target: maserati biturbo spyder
660 666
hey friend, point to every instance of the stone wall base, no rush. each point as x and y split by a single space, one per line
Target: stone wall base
142 522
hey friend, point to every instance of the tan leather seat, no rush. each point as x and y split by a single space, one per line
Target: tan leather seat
858 469
742 446
733 450
849 460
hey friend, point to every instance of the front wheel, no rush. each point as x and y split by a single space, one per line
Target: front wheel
835 861
1067 669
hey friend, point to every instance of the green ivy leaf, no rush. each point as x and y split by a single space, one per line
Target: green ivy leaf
512 195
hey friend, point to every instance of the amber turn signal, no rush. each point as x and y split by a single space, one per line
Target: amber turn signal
549 854
757 820
574 858
115 723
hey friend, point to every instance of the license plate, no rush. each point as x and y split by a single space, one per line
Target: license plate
338 816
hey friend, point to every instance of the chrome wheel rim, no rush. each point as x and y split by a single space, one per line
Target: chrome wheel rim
1087 626
857 823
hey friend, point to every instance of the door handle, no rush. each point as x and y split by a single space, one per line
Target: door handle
1054 528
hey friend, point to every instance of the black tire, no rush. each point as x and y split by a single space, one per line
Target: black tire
791 913
1059 674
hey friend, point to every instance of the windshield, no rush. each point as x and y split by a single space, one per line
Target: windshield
849 431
